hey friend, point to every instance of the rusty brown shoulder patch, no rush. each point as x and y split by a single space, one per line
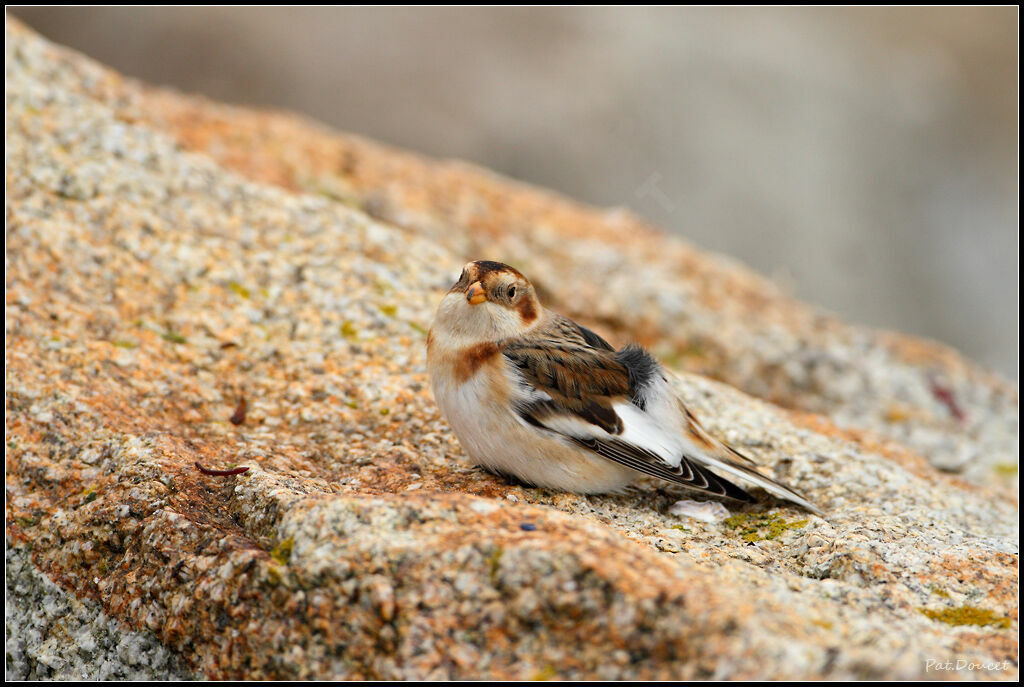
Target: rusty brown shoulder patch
470 359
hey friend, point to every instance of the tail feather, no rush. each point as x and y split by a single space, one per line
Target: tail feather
748 474
720 485
718 455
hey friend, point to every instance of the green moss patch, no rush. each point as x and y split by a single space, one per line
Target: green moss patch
173 337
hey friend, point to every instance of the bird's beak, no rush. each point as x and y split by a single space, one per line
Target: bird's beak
475 294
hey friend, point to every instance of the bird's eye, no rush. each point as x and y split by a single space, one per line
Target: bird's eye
511 292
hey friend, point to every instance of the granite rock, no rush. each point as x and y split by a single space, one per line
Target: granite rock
51 635
168 258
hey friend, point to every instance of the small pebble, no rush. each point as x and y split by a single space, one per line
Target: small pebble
705 511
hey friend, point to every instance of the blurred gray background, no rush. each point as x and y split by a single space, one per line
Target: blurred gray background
864 158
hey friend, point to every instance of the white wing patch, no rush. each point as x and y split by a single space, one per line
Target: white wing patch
655 430
641 429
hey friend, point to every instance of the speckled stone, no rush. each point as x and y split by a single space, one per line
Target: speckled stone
51 635
150 288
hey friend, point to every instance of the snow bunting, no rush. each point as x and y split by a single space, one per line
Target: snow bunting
533 394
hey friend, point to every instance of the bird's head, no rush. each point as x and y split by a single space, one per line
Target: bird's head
489 302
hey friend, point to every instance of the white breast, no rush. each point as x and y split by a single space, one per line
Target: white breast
493 435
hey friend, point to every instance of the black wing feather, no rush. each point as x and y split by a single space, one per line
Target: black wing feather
688 473
641 367
593 339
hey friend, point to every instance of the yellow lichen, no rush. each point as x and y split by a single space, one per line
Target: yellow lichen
545 673
494 560
967 615
753 527
239 289
282 553
897 413
777 527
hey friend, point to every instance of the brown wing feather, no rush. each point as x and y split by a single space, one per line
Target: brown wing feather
580 375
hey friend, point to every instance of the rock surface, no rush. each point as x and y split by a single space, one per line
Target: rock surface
53 636
151 289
